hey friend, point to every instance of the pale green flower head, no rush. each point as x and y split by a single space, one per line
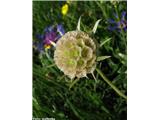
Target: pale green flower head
75 54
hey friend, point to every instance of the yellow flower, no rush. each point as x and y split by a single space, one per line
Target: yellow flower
47 46
64 9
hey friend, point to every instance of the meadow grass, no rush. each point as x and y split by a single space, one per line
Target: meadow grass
101 96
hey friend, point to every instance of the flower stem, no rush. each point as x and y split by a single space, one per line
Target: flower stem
110 83
123 32
73 83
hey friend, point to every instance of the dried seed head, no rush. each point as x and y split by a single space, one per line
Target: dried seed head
75 54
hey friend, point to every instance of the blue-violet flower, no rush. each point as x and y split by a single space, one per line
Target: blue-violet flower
118 23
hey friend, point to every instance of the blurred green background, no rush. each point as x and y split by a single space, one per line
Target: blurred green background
88 99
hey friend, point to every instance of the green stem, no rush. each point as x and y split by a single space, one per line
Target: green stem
102 8
73 83
94 77
123 32
95 81
110 83
74 110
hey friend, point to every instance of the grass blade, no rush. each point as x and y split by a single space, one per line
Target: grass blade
110 83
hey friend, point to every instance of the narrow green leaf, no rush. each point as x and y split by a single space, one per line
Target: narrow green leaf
79 22
111 84
35 104
101 58
95 26
75 111
73 83
52 65
105 42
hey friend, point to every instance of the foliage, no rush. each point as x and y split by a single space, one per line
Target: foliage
92 98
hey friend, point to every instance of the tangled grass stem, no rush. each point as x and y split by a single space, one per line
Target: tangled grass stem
110 83
73 83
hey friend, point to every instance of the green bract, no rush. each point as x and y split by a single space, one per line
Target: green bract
75 54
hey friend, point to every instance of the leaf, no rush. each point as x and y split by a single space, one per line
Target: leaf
95 26
79 22
35 104
111 84
101 58
73 83
105 42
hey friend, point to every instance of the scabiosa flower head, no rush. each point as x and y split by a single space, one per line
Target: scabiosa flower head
118 24
50 37
75 54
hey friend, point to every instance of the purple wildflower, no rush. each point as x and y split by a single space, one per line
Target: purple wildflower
118 23
51 35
